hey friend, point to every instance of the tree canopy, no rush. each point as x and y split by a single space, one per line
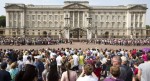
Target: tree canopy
147 26
2 21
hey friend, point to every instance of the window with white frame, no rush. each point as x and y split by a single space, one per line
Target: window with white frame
39 17
44 17
141 24
45 24
50 24
113 23
56 24
95 17
124 24
14 23
56 18
113 17
10 23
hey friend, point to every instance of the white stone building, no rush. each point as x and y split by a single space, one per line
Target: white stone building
75 20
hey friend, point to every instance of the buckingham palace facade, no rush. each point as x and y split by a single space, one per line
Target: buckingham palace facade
75 20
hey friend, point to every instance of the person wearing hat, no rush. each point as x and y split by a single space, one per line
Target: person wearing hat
4 75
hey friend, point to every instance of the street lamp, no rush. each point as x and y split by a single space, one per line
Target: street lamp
95 32
131 32
67 23
88 28
59 32
67 27
89 21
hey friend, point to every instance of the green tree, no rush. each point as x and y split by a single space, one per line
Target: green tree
2 21
147 26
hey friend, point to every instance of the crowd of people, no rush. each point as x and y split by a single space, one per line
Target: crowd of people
50 41
70 64
121 42
30 41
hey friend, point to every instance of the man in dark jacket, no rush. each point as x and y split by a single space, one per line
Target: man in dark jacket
40 66
4 75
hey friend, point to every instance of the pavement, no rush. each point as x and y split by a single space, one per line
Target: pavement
74 45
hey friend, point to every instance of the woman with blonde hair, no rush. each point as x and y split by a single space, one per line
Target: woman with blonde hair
13 70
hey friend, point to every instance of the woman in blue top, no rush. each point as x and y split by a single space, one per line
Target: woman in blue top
13 70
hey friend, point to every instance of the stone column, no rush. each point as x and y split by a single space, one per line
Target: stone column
17 22
73 18
12 19
68 34
7 19
87 33
143 25
22 32
78 19
83 20
22 19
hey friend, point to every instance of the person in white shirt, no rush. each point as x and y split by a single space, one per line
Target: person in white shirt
87 74
58 60
76 62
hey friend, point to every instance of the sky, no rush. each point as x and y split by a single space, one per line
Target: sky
91 2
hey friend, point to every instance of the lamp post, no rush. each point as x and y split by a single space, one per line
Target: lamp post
67 27
131 32
59 32
95 32
88 28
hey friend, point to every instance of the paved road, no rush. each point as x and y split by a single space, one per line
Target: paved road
74 45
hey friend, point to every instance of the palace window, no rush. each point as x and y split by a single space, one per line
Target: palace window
19 24
33 17
56 24
118 17
50 24
19 16
131 24
136 17
14 23
141 17
113 24
38 33
136 24
141 24
118 24
14 16
50 17
124 24
10 16
32 33
61 17
28 17
45 24
102 24
44 17
107 17
10 23
107 24
101 17
95 17
39 17
124 17
112 17
132 16
33 24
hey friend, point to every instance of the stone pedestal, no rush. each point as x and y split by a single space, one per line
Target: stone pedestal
89 34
